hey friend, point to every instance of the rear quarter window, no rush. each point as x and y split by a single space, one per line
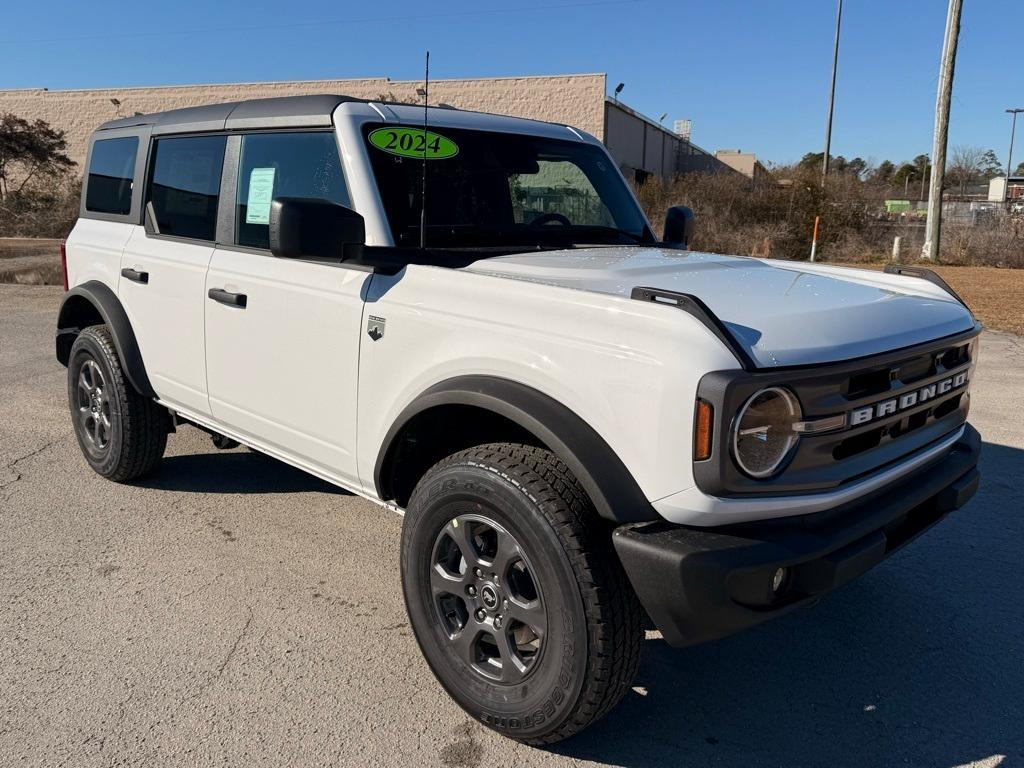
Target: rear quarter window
111 176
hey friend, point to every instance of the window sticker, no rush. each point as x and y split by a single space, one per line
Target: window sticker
413 142
261 192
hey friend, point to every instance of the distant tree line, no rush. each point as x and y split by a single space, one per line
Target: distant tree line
775 217
967 166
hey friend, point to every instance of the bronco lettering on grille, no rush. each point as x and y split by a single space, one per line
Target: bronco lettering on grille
906 400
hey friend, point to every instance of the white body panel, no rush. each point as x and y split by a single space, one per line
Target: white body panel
167 314
624 367
94 250
782 313
283 370
295 374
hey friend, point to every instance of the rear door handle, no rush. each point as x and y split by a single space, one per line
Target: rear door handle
226 297
135 275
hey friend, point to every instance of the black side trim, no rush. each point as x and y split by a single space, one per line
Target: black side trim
702 312
605 478
925 274
110 309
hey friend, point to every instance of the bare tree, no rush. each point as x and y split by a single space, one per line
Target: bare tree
29 151
965 166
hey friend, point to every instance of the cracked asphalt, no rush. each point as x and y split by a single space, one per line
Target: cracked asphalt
232 611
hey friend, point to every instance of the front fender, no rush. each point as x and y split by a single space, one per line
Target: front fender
604 477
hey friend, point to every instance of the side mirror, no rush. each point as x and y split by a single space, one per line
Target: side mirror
679 226
306 228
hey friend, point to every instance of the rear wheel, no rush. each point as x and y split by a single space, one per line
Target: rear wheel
121 433
515 594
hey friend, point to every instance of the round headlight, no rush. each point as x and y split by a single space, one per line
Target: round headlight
763 433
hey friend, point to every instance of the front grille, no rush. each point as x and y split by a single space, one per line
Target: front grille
910 370
890 380
904 391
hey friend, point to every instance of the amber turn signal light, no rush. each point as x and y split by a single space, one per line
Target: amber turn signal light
702 430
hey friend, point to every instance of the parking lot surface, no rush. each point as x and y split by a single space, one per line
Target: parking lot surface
233 611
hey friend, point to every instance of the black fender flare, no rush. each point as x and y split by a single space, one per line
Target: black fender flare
109 307
610 485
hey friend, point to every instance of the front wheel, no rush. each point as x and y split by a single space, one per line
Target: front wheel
515 594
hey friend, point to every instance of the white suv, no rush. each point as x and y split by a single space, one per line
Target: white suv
579 422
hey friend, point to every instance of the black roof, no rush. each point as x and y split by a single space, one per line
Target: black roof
280 112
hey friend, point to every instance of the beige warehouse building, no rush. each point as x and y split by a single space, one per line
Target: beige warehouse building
640 145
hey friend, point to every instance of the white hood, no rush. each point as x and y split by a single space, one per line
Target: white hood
783 312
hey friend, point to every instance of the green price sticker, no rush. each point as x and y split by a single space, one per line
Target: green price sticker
413 142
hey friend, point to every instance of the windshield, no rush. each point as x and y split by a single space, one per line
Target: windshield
488 189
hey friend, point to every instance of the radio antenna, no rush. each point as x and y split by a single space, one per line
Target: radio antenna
423 191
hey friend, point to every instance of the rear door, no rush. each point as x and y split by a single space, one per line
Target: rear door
163 272
282 335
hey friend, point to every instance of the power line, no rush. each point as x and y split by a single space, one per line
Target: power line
318 23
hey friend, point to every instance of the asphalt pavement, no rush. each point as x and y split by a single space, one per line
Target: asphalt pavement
234 611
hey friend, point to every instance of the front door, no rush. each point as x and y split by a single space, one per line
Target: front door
282 335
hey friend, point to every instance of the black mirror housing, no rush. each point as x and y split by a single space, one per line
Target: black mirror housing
679 226
307 228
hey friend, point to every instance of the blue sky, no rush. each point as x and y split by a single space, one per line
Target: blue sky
751 74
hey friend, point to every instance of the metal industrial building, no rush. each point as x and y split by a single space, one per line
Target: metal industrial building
640 145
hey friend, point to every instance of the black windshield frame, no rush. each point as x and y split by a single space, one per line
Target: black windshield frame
474 200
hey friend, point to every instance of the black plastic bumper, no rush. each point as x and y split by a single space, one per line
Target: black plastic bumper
699 584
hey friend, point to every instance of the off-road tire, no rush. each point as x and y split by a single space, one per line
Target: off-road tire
591 651
134 442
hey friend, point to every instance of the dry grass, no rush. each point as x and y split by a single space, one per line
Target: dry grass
996 296
738 216
30 261
18 247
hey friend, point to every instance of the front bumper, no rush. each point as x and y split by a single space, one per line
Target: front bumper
700 584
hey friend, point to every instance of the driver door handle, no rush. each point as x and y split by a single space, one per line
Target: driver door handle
226 297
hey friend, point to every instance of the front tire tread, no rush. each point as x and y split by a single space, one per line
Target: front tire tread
614 615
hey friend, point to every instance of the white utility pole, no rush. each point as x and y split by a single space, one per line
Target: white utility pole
1009 155
930 250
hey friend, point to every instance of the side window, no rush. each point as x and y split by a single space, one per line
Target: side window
185 184
283 165
111 171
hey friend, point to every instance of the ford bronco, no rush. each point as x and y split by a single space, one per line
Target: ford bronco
468 320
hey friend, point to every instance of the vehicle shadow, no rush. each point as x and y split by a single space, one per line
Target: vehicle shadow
235 471
919 663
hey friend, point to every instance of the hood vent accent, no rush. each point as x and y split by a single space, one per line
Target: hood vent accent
701 311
